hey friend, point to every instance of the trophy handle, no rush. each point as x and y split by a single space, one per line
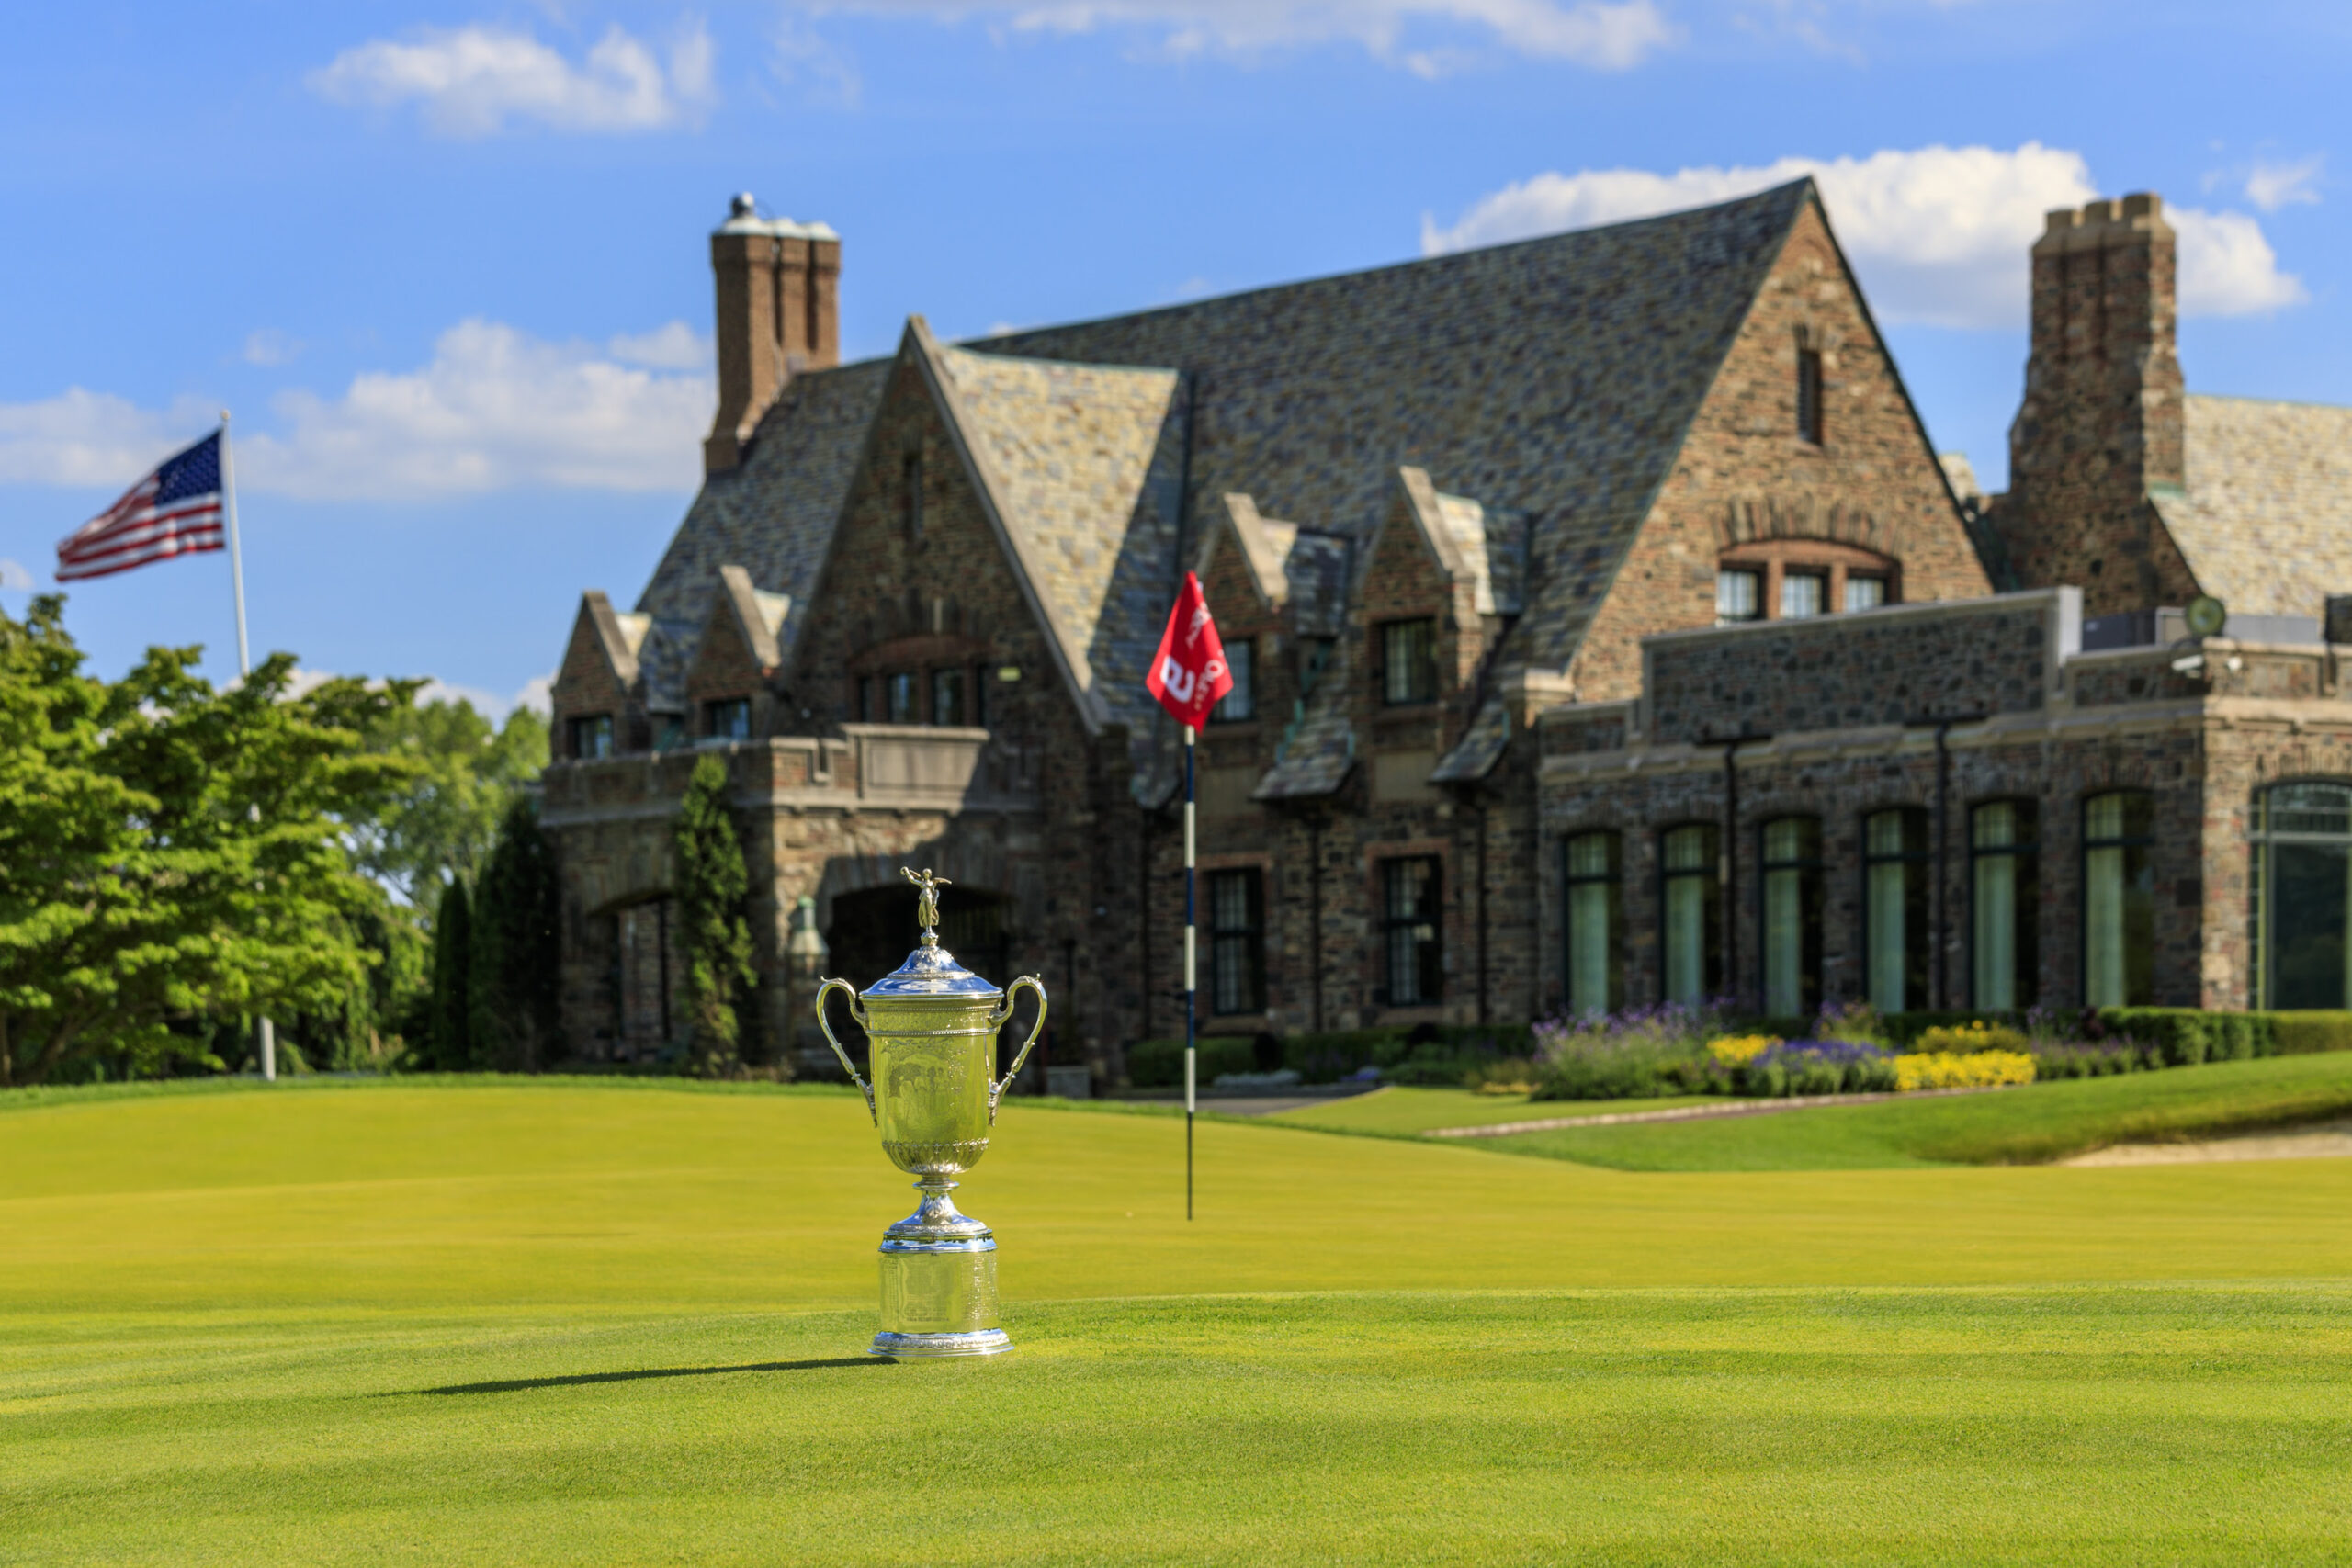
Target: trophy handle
995 1090
850 991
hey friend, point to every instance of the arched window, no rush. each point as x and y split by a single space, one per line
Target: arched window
1894 900
2119 899
2004 891
1690 913
2302 896
1596 921
1791 916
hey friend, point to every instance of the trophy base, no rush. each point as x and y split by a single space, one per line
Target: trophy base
903 1347
938 1271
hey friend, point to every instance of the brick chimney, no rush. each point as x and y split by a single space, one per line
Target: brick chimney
779 312
2101 427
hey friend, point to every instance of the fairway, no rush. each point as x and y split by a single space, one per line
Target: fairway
553 1322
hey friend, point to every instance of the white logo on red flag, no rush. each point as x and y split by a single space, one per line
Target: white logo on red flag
1189 674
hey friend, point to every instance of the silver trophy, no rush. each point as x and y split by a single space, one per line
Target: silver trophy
933 1027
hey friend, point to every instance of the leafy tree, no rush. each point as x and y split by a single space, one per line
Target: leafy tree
168 850
712 882
515 950
449 1045
466 774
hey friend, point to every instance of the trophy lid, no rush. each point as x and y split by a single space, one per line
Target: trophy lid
930 972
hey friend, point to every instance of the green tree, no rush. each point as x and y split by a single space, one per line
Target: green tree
515 950
711 886
168 850
449 1045
466 773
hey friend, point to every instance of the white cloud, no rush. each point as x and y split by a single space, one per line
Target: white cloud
13 576
471 81
495 409
2227 268
1607 35
1938 234
80 438
534 694
270 347
671 346
2273 185
807 63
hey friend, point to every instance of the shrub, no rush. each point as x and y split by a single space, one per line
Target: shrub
2085 1059
1622 1055
1968 1039
2185 1036
1830 1066
1856 1021
2301 1033
1160 1064
1978 1069
1507 1074
1761 1080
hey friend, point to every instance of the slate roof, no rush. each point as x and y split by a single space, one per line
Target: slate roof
775 515
1315 753
2266 517
1552 379
1083 463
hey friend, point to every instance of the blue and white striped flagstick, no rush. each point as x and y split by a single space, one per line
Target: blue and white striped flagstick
244 669
1190 1010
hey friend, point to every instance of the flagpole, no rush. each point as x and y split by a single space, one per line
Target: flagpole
244 669
236 553
1191 1009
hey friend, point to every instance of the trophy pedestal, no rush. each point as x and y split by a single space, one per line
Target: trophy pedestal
938 1282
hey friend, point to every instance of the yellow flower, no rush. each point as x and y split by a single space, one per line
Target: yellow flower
1951 1069
1739 1050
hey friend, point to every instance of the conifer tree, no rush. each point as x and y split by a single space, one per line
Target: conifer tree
451 1048
711 886
516 955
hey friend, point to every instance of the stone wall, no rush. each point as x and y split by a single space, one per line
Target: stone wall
1892 666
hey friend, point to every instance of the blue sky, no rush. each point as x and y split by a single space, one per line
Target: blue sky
446 263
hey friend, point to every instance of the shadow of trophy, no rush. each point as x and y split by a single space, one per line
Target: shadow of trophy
931 1028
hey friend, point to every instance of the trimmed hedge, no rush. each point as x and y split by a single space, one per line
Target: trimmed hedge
1431 1054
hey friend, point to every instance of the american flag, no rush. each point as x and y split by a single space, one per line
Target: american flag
175 510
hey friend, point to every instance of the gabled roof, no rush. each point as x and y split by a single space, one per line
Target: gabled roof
1319 748
757 615
1290 566
1552 380
2265 520
1079 467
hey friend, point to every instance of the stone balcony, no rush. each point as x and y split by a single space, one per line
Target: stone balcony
880 767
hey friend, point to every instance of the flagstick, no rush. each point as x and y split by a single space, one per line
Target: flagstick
1190 1009
244 669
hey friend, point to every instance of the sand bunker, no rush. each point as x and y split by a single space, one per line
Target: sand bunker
2331 1140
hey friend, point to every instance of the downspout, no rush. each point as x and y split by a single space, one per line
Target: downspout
1315 914
1939 983
1482 908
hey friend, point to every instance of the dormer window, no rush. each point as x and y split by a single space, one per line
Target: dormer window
592 736
728 719
1739 596
1241 703
1408 662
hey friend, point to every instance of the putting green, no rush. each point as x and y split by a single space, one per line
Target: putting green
554 1322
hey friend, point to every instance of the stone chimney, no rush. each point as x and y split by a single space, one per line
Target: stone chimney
2101 427
779 314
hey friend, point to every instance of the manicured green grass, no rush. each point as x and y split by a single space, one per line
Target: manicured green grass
587 1324
1398 1109
2038 1122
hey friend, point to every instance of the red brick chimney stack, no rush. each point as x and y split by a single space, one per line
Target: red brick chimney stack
779 312
2100 426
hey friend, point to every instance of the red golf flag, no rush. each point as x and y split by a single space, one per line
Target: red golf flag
1188 674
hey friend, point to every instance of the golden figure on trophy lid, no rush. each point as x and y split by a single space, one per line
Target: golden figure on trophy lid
927 888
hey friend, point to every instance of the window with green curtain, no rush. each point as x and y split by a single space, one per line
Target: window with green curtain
2303 896
2004 898
1791 896
1595 904
1895 934
1690 911
2119 899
